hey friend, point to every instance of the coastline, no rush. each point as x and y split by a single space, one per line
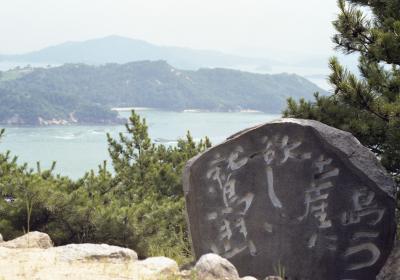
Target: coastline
120 120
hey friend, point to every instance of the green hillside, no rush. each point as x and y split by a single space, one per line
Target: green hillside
85 94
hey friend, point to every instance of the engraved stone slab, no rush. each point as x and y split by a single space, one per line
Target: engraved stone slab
292 194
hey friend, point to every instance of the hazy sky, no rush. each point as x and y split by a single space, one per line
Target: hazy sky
249 27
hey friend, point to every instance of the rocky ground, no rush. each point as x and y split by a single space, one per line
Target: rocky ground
33 257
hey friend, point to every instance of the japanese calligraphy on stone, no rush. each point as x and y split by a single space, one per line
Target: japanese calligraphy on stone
283 194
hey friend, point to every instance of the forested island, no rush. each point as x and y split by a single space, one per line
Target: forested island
79 93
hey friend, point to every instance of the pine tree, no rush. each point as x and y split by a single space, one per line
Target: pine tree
369 105
148 183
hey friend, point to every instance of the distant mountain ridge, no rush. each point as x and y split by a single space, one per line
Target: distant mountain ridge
85 94
117 49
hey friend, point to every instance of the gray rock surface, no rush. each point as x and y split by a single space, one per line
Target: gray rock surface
82 252
156 268
212 267
33 239
292 194
83 262
391 270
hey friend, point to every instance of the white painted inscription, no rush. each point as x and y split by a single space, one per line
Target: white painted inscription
368 248
366 210
230 218
316 196
279 150
316 200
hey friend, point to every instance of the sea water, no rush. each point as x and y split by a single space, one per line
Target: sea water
80 148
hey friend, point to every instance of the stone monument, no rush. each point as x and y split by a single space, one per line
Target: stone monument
292 194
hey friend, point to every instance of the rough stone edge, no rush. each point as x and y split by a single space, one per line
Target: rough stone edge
186 189
388 271
23 241
79 248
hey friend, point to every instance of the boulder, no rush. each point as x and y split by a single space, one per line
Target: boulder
212 266
1 238
391 270
32 239
83 262
89 252
156 268
292 194
248 278
186 275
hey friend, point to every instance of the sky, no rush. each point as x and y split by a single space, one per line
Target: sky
262 28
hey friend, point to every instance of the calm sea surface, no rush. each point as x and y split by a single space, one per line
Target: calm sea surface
77 149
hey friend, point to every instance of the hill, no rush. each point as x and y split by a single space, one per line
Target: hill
85 94
117 49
